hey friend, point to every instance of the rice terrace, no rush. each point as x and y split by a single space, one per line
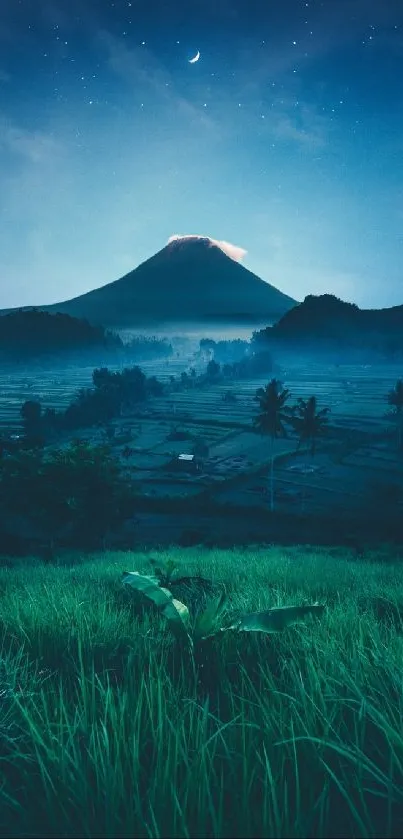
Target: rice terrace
356 458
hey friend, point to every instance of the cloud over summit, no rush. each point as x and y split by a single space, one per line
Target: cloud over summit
233 251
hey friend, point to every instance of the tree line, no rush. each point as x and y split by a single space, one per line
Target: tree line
112 393
33 335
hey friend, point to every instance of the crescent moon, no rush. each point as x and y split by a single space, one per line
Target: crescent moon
196 58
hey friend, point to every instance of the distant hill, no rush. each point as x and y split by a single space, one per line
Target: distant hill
30 335
190 280
326 321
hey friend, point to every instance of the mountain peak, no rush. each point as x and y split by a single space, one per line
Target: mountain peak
193 279
193 243
176 243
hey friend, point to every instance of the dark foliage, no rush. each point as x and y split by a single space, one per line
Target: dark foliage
327 321
226 351
32 334
112 393
73 497
213 370
144 348
258 363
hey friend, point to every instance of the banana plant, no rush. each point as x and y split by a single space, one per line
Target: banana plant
175 612
206 623
276 619
164 570
166 573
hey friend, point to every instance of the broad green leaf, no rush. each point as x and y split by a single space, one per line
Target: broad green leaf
275 620
170 566
176 613
164 570
182 609
206 622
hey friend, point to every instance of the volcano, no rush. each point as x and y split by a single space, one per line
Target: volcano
190 280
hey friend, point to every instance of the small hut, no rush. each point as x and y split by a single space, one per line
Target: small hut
188 463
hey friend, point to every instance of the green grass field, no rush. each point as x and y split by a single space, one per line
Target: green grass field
108 730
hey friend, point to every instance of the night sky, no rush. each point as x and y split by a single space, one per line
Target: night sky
284 139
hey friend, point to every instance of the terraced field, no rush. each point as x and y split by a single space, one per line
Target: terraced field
236 470
55 388
355 393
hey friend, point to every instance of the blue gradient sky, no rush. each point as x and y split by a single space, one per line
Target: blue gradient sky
285 139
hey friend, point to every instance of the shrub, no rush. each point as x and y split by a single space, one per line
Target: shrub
75 496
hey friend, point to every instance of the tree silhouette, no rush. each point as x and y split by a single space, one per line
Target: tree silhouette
213 369
272 419
309 424
32 334
101 377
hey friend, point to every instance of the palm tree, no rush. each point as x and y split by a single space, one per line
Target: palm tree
309 425
395 398
308 422
273 416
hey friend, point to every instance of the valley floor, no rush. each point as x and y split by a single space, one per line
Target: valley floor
350 492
